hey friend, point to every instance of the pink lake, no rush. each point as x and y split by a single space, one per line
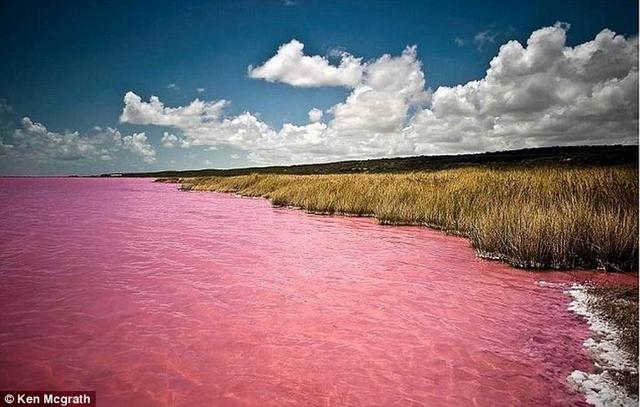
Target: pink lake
153 297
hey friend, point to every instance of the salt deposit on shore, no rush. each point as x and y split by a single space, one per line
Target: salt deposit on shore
599 387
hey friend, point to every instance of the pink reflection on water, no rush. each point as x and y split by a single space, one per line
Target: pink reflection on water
151 296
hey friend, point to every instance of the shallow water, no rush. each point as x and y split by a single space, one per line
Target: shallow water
152 296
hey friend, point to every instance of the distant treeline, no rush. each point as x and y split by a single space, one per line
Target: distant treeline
571 156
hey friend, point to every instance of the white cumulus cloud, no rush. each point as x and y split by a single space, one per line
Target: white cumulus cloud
138 144
541 94
169 140
315 115
154 112
292 67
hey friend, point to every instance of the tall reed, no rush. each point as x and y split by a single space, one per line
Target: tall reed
533 217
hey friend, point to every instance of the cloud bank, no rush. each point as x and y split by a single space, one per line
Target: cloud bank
541 93
32 141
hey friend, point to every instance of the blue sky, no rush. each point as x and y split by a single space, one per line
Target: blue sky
68 65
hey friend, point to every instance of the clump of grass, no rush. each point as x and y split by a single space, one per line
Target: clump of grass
167 180
533 217
618 304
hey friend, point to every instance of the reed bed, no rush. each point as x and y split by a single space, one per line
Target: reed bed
533 217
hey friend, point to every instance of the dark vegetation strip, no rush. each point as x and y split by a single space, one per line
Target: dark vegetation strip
571 156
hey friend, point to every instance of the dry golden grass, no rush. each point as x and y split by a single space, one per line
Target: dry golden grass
534 217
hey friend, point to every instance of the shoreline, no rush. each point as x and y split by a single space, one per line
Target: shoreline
615 376
532 218
483 255
615 370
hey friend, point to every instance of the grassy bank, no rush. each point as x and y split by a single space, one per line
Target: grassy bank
535 217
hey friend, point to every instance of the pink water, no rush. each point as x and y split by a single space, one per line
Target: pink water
152 296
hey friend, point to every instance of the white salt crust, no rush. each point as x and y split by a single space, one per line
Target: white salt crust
599 388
